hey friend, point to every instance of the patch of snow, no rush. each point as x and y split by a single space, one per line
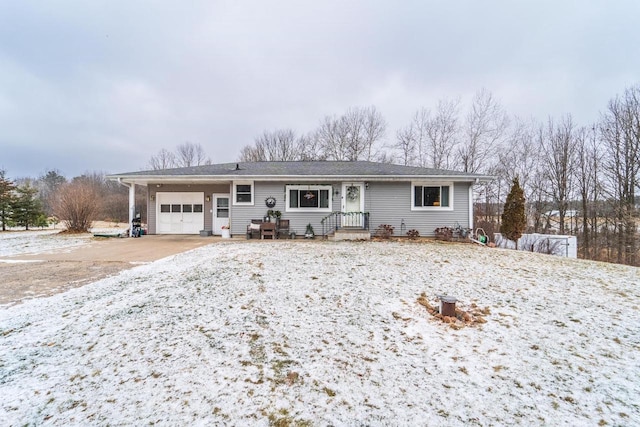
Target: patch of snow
331 334
37 242
46 241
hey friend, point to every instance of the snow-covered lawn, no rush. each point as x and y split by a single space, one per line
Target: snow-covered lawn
49 240
38 241
323 333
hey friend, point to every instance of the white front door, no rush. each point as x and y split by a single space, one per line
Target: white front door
220 212
352 204
180 213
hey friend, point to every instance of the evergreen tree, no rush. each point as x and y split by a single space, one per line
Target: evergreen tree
7 199
27 207
48 185
513 219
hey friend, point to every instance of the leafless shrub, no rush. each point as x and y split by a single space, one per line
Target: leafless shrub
413 234
77 204
444 233
384 231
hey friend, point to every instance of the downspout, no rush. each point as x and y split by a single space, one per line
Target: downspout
132 203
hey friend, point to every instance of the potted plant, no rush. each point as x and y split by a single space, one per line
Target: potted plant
309 234
269 215
277 215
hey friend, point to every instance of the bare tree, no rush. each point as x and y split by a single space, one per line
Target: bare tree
77 205
279 145
519 159
185 155
332 137
558 161
113 197
407 143
588 159
309 148
484 128
620 129
374 128
163 160
352 136
190 154
439 133
249 153
430 138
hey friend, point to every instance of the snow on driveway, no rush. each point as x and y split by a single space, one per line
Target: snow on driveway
323 333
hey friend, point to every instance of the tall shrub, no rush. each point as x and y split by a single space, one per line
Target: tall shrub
513 219
77 204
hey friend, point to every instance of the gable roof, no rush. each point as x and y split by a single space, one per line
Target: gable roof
310 170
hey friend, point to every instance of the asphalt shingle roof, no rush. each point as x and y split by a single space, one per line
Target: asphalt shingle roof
300 168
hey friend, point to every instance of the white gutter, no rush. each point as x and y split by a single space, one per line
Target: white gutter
178 179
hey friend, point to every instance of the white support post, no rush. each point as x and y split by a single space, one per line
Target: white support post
132 207
471 207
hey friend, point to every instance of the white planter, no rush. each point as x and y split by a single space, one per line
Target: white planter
226 234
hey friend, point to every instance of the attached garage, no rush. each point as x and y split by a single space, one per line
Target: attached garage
180 213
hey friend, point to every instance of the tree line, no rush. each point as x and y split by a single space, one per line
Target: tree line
577 178
39 202
51 198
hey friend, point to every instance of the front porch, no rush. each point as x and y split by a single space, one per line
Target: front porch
346 226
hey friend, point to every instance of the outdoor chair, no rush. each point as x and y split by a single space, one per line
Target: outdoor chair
283 228
253 229
268 229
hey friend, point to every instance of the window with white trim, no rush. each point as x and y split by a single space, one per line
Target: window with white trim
243 193
430 196
315 198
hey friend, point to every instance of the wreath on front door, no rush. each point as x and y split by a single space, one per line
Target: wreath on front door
353 193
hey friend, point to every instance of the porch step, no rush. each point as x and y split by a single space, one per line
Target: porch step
350 234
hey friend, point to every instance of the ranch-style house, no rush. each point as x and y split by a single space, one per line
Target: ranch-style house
332 196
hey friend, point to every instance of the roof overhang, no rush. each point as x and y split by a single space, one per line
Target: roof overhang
145 180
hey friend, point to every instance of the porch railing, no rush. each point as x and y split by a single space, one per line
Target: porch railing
337 220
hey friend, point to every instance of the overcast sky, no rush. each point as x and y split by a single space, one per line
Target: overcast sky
102 85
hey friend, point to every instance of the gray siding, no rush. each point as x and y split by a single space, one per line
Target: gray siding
387 203
207 189
390 203
242 215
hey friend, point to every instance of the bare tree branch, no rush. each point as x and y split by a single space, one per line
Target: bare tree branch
190 154
485 127
352 136
163 160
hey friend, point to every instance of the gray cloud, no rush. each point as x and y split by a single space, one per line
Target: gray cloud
103 85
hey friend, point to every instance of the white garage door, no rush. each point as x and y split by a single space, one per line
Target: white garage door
180 213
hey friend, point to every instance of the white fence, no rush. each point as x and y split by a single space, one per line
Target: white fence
553 244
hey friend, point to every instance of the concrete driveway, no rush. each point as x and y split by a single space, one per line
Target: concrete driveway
32 276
